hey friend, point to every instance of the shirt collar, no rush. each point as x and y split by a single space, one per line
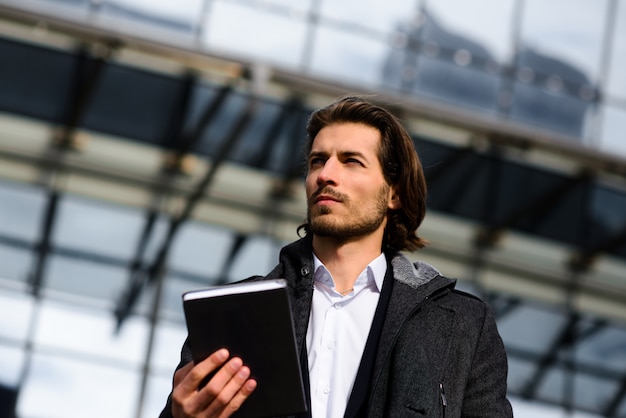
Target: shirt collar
376 270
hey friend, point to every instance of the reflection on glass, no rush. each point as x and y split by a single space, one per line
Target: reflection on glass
488 23
462 86
372 14
24 206
59 387
255 32
550 109
568 30
93 227
616 85
347 56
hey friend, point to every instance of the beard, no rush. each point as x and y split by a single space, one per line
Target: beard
361 218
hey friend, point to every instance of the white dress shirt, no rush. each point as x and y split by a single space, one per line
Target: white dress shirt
336 336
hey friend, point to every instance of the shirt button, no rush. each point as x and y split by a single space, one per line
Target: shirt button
326 390
330 346
337 306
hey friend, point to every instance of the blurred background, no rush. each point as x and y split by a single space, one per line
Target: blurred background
148 148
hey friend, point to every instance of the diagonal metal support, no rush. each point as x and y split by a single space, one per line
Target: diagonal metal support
569 336
43 248
156 271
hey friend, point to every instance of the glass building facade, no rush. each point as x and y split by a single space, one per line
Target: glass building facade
113 113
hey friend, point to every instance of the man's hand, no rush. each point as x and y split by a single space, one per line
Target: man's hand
220 397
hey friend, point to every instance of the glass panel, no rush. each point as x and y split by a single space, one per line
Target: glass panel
24 206
374 14
350 56
240 29
87 331
169 339
617 82
257 257
589 392
301 5
520 372
200 249
569 31
15 315
64 388
16 264
84 278
134 104
605 350
489 25
34 81
529 328
451 82
181 15
97 227
606 215
171 306
11 364
613 125
550 109
158 390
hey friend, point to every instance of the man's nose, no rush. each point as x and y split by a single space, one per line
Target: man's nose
328 174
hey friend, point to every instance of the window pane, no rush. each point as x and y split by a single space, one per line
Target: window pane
84 278
570 31
15 315
158 389
24 206
16 264
350 56
489 25
617 81
613 125
374 14
451 82
63 388
11 364
169 339
254 32
97 227
550 109
88 331
200 249
180 15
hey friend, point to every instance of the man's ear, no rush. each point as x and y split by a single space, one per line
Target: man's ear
394 199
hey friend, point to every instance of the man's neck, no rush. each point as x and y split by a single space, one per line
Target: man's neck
346 259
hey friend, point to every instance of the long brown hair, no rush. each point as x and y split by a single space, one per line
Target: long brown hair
402 168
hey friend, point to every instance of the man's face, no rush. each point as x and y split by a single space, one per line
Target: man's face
346 192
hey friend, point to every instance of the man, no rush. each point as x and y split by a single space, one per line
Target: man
378 335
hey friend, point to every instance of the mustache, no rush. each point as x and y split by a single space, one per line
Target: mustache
327 191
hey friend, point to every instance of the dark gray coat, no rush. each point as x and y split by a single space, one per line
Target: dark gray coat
439 355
